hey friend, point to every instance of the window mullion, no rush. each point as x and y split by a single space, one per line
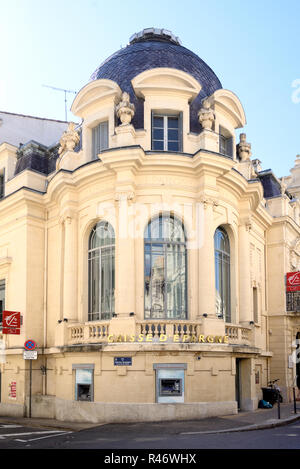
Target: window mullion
100 285
165 133
165 281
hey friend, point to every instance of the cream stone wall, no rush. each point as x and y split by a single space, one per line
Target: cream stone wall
46 224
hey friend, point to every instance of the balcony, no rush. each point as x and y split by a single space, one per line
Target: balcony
159 331
239 335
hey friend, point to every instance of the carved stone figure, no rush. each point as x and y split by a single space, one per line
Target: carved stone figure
125 109
206 115
283 186
69 139
244 148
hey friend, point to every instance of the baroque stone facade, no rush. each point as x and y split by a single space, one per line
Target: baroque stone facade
146 251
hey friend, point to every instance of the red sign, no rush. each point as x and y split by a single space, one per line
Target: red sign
11 322
30 344
13 390
293 281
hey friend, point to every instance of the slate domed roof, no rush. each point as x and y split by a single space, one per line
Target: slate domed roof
152 48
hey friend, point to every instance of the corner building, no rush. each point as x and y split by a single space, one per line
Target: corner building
146 250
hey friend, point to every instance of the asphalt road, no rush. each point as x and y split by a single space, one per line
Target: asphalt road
145 436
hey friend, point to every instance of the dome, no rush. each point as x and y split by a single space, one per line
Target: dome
153 48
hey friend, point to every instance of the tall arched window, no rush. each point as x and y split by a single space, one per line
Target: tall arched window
222 274
101 260
165 269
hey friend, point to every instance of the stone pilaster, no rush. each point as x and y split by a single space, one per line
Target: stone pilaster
70 266
245 297
125 256
206 284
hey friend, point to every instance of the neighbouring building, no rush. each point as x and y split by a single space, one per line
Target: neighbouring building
145 250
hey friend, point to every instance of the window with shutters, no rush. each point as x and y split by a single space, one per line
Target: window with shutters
166 132
225 142
100 139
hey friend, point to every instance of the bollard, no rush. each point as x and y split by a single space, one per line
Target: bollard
294 398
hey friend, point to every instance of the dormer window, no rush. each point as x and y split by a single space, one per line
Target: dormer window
166 132
100 139
226 143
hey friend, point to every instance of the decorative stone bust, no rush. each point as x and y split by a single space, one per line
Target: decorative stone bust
125 109
69 139
244 148
206 115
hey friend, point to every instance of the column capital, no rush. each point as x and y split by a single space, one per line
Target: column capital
246 222
67 215
209 201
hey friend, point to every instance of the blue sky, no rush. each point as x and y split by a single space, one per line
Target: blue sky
253 47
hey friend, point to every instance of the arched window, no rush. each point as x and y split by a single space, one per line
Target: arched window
101 260
222 274
165 269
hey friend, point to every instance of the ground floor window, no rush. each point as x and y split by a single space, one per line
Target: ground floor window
84 383
170 382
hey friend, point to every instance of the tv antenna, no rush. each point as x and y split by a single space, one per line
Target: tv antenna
65 91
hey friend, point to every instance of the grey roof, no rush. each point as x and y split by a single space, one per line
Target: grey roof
20 128
152 51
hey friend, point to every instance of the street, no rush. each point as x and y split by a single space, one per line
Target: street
146 436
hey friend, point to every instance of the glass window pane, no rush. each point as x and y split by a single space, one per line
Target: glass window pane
158 134
176 295
83 385
147 283
157 285
165 269
101 272
158 145
107 282
173 229
222 274
173 122
99 138
173 146
158 121
173 134
102 235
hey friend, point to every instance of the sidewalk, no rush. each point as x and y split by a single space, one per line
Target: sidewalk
243 421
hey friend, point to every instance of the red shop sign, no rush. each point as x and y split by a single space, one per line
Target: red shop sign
293 281
11 322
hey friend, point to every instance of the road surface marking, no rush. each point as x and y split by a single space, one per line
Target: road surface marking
10 426
42 437
29 433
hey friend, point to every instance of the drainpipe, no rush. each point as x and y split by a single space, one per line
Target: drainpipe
267 307
45 303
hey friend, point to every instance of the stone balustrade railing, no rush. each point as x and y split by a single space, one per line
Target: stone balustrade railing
238 334
88 333
174 330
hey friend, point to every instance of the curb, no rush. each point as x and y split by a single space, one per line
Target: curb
276 423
